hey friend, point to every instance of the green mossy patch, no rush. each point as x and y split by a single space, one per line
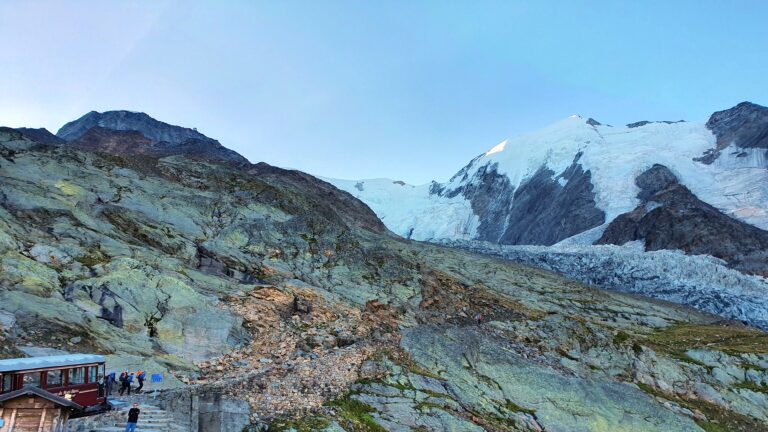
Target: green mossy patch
718 418
92 260
357 413
730 339
511 406
749 385
305 424
620 338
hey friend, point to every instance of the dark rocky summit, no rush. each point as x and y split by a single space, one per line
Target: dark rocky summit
41 135
646 122
545 209
115 132
129 120
744 126
670 216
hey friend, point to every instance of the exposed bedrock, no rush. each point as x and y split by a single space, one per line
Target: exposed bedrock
543 210
743 129
670 216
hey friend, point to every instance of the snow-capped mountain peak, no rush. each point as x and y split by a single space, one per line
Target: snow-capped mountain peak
577 175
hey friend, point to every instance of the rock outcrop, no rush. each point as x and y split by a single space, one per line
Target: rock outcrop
742 134
545 209
129 121
126 133
670 216
41 135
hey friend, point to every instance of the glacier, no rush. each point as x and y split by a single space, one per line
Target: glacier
700 281
737 186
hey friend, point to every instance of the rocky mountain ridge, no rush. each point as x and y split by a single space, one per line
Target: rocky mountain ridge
575 175
276 291
131 133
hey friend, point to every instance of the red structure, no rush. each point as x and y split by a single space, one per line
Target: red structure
75 377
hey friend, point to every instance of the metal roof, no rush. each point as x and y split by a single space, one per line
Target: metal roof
10 365
43 394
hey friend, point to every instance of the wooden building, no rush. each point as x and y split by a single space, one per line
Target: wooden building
77 377
32 409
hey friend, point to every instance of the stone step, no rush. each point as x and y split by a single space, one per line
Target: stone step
148 414
164 417
122 429
164 423
156 417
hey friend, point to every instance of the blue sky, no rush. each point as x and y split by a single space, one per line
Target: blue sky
409 90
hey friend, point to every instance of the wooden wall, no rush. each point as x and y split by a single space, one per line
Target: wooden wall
32 414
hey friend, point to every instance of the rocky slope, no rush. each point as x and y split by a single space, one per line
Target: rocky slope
275 290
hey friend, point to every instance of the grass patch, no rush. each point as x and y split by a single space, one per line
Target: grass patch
620 338
358 413
426 406
719 419
753 367
511 406
91 260
435 394
749 385
730 339
683 357
306 424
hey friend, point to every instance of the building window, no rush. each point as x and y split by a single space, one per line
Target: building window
32 379
76 376
92 373
55 378
7 381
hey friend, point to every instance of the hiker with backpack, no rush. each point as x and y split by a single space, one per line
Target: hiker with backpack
125 382
109 382
479 318
140 377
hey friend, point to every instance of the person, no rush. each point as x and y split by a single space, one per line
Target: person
140 377
479 318
101 382
110 383
133 418
124 383
130 382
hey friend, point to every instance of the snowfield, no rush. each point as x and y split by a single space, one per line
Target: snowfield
405 209
737 183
